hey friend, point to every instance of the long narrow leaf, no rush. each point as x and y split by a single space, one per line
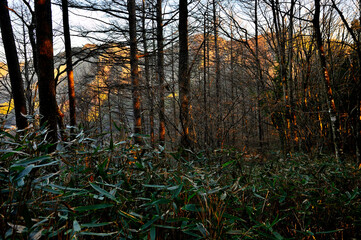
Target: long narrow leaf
93 207
103 192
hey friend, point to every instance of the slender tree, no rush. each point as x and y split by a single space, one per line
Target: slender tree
69 64
218 74
134 70
17 86
148 83
160 72
205 75
357 44
326 79
258 78
290 104
46 81
183 78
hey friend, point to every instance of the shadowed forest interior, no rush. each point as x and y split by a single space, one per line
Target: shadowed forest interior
156 119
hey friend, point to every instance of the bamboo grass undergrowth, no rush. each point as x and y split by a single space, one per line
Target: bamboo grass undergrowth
87 191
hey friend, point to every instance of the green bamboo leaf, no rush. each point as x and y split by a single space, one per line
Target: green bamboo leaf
278 236
332 231
227 163
150 222
90 225
48 190
156 202
172 188
30 161
182 219
127 215
7 134
236 232
155 186
47 164
97 234
25 172
202 229
164 226
152 233
76 226
103 192
93 207
65 188
13 151
191 208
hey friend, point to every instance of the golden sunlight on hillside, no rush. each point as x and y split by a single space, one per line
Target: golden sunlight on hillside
6 107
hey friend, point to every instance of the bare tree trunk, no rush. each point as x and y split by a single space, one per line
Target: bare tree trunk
326 80
259 81
47 96
110 116
17 86
134 71
292 117
147 77
233 89
218 75
356 40
280 120
69 65
183 79
160 72
174 102
205 66
28 90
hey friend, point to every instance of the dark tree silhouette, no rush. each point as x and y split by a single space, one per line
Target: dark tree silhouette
44 37
134 70
183 78
160 72
69 64
17 86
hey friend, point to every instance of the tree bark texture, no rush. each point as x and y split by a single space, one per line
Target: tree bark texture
147 76
134 71
356 40
17 86
183 79
160 72
218 75
46 81
326 79
69 65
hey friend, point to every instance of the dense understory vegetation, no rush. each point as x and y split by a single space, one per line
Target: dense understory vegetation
121 191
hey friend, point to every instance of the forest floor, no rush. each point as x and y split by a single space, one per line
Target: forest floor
83 191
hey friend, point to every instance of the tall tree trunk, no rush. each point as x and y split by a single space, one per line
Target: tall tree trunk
28 90
16 81
183 79
174 102
356 39
134 71
218 75
233 89
291 112
326 80
147 76
69 65
258 79
160 72
44 37
205 45
280 119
